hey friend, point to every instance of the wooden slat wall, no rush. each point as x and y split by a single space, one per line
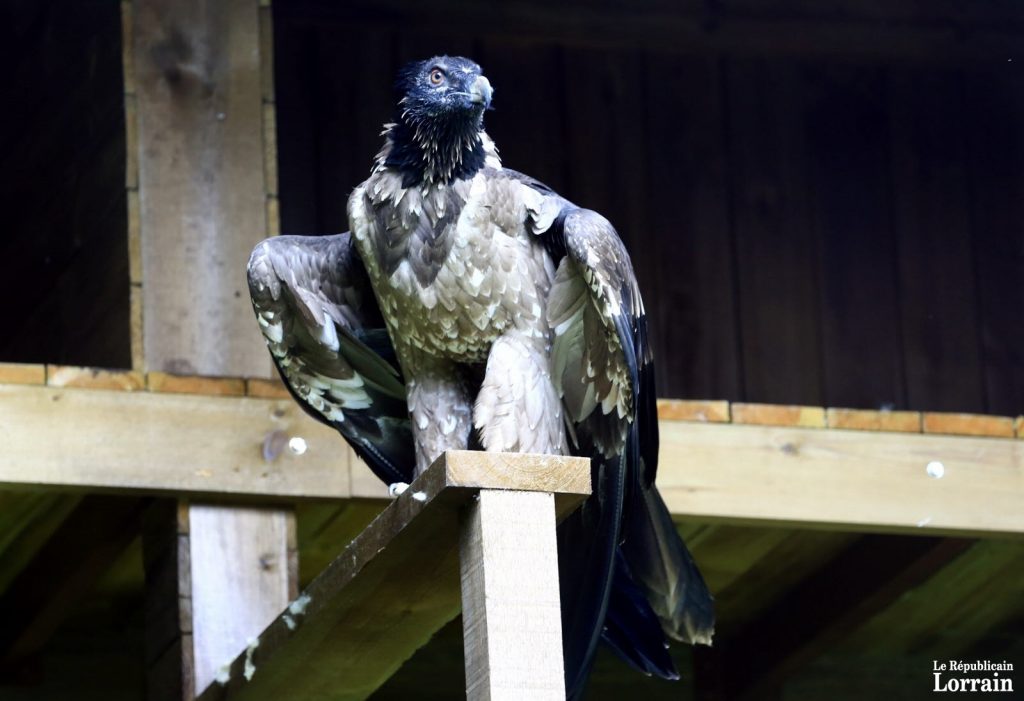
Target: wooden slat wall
813 229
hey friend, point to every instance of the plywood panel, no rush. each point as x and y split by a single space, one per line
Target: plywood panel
688 246
994 132
776 249
846 122
937 277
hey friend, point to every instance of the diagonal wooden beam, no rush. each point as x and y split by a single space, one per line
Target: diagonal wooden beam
864 579
64 570
398 583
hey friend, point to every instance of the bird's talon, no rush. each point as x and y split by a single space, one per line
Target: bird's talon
396 489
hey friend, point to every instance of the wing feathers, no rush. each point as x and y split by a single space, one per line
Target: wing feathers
313 302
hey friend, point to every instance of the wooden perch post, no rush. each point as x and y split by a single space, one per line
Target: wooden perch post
398 583
511 612
200 178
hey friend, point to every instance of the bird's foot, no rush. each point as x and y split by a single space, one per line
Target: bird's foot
396 489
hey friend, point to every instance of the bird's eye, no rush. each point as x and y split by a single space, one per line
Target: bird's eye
436 76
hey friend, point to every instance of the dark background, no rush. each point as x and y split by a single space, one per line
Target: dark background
828 219
824 202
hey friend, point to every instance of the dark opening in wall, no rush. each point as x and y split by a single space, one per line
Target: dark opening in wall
64 246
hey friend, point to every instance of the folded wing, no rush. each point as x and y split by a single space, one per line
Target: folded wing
316 309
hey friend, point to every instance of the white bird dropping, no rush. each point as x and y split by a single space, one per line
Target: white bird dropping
297 444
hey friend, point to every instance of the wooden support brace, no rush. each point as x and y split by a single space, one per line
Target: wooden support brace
511 611
398 583
194 80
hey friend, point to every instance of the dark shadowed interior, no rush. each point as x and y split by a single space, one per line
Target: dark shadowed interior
824 203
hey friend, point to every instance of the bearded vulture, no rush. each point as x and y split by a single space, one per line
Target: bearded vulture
473 307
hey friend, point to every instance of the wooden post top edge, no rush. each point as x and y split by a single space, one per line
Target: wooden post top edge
528 472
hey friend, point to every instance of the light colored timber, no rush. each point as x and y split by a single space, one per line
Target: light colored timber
344 636
198 77
511 612
94 378
173 444
778 415
257 571
22 374
199 102
694 410
146 442
850 480
190 384
968 424
868 420
271 389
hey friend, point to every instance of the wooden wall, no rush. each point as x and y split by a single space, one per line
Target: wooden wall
824 204
64 245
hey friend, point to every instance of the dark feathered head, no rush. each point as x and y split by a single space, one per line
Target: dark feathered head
439 108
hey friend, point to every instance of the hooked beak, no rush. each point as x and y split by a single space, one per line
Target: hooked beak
480 92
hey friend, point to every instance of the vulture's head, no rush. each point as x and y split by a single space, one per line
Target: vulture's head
439 112
444 88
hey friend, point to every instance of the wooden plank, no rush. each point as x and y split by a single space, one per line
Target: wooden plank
776 248
850 480
201 177
866 420
778 415
249 583
968 424
845 114
995 151
94 378
511 611
145 442
932 223
192 384
268 389
345 636
693 315
694 410
22 374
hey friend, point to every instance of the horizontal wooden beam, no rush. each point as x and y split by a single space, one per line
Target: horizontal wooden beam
391 589
237 448
849 480
59 438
